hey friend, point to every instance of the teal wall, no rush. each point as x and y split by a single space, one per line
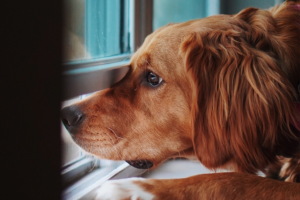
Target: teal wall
167 11
234 6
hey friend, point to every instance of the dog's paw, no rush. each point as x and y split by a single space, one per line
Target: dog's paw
123 189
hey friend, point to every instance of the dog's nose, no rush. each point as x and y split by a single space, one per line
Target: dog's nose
72 117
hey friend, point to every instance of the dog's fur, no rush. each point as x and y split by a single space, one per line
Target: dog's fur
228 97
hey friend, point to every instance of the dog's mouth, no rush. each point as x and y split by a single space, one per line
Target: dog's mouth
140 164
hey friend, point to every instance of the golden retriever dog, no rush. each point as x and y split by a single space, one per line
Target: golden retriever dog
223 89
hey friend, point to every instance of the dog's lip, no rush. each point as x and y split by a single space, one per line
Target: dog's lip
140 164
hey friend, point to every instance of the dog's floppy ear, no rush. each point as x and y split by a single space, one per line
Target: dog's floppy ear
241 99
276 31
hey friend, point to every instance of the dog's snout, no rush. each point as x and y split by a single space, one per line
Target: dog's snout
72 117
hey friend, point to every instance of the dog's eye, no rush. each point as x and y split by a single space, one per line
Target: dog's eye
154 79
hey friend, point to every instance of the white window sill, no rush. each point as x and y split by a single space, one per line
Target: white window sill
85 188
178 169
168 170
171 169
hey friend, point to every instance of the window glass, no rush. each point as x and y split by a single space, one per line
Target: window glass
95 29
174 11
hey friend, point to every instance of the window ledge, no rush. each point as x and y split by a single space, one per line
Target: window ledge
85 188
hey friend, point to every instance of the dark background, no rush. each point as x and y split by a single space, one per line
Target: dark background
31 44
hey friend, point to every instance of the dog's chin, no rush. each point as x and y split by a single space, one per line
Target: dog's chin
140 164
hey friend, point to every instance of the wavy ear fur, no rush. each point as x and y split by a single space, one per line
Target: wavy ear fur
244 88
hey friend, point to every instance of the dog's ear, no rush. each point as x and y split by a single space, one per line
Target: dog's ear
240 100
275 31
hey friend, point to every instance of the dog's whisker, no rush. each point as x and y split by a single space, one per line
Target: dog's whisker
114 133
110 138
114 146
117 152
179 155
94 164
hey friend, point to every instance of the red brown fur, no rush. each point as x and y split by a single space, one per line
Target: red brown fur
222 186
247 84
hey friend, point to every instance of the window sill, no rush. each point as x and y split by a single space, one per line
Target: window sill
179 168
85 188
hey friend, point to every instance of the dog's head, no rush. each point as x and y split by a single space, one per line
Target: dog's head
145 118
219 88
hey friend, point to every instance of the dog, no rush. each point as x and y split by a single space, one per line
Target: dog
222 89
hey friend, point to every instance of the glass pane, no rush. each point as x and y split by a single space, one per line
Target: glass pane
174 11
95 29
